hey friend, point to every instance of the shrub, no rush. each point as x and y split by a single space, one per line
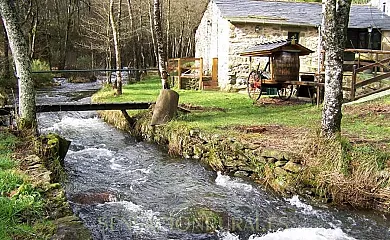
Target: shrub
41 79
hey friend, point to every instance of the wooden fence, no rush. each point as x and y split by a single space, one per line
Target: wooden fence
192 68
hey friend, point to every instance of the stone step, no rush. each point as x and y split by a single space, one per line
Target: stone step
210 83
211 88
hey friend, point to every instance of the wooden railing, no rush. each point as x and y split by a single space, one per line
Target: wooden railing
377 77
176 64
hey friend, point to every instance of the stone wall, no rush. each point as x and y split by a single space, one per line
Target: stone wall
386 40
278 169
247 35
212 41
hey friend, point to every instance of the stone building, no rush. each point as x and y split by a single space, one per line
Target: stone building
228 27
383 5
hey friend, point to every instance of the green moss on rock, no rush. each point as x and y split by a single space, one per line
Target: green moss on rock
52 149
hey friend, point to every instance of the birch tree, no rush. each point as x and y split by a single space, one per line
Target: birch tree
160 45
115 24
19 49
334 31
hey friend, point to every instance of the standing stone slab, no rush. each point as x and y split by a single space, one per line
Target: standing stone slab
166 107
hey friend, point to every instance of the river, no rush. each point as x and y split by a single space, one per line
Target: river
151 195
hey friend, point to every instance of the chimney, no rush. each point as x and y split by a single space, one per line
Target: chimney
384 7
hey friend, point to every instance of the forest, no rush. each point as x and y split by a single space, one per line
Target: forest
78 34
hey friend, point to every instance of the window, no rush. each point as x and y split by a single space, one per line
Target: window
362 39
294 35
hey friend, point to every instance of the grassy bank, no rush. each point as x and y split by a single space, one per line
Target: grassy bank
32 201
352 169
223 110
22 213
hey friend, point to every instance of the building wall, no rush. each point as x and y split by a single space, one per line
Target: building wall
386 41
382 5
247 35
212 41
218 38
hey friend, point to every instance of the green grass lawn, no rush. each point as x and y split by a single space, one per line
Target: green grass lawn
21 205
240 110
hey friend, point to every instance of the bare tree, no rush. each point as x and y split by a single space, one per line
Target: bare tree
160 44
115 24
22 62
334 30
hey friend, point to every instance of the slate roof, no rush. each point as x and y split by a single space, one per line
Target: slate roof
268 48
296 13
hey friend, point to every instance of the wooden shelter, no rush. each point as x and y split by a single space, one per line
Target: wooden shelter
283 57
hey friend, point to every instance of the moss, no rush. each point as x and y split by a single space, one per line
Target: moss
52 149
199 220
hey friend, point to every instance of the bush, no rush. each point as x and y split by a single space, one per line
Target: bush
41 79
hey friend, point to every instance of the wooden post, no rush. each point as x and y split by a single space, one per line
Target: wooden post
250 64
376 61
179 73
358 65
271 67
318 88
214 76
353 83
201 74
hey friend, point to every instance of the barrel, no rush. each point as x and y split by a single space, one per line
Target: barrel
286 66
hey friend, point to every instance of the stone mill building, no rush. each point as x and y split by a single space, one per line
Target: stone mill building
228 27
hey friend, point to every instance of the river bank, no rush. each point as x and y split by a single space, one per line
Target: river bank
283 152
33 203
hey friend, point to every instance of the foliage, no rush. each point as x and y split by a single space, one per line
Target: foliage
41 79
83 62
21 204
8 82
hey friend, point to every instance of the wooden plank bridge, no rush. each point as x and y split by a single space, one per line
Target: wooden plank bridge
63 107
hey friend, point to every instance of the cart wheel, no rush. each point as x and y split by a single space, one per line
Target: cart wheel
254 85
285 92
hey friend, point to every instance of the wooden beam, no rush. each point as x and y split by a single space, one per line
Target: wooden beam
380 63
353 83
372 80
95 70
179 73
201 74
373 92
81 107
367 51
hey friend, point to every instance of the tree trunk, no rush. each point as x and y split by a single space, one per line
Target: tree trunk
115 34
6 70
132 43
155 48
168 28
108 52
33 34
335 25
160 44
22 62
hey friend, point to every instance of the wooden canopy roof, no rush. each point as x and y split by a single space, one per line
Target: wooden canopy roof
266 49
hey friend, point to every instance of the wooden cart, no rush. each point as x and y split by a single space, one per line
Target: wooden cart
280 72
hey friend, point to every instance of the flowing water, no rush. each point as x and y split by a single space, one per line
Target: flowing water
124 189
